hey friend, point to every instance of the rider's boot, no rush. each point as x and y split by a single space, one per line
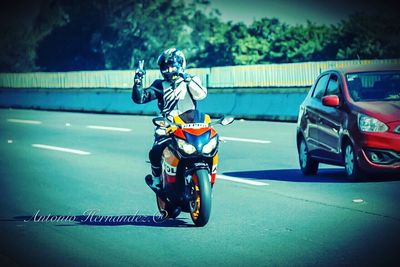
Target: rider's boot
153 181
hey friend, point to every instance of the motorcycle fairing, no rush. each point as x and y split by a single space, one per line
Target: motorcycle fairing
214 168
196 136
169 165
198 141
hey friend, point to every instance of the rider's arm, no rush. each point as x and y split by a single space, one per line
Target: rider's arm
141 96
197 90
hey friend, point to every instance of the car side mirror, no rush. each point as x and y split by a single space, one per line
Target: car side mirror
331 101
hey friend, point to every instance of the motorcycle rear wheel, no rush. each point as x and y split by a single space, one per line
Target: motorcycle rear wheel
200 205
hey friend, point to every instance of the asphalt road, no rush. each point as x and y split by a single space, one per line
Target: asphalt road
264 213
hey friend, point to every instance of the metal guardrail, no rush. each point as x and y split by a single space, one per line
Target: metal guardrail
266 75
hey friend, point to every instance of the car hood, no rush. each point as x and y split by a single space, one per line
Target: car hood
385 111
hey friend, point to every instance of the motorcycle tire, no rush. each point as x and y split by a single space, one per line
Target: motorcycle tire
200 205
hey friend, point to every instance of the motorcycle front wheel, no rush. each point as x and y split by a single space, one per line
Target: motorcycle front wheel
200 204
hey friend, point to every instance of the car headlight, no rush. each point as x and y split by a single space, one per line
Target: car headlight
185 146
210 146
369 124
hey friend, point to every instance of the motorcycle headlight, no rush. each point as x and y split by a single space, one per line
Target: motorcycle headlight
185 146
210 146
369 124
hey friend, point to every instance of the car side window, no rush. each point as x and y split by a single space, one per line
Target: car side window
320 86
333 86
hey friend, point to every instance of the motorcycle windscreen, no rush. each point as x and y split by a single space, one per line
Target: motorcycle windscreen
191 116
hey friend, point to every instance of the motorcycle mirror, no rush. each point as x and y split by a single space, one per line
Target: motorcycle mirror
160 121
227 120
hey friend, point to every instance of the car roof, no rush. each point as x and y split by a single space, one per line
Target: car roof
367 68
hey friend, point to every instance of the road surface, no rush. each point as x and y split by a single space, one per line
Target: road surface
73 194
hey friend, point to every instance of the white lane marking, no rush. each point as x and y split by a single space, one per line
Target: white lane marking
109 128
24 121
240 180
245 140
62 149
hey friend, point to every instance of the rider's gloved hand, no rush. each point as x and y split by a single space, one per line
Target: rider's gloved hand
140 72
186 77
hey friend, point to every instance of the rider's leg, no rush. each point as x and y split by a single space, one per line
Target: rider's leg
155 160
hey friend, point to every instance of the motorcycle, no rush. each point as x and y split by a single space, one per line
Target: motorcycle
189 165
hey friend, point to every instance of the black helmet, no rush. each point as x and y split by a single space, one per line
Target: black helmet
170 62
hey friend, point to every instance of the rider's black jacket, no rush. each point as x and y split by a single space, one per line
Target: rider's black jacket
155 91
171 97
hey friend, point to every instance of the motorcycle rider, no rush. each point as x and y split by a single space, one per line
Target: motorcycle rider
176 93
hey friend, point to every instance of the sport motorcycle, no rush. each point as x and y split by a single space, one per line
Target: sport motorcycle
188 165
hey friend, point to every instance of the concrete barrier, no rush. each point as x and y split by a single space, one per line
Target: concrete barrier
269 106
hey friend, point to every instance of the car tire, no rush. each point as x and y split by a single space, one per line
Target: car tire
353 171
308 165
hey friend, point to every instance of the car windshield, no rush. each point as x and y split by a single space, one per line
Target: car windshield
374 86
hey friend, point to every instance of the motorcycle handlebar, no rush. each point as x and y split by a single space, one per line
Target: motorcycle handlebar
163 122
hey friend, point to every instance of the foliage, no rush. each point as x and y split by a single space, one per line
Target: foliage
369 37
137 30
114 34
22 29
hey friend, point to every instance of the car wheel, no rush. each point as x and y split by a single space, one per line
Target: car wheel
308 165
353 171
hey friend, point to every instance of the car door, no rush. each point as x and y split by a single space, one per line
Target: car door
312 115
330 122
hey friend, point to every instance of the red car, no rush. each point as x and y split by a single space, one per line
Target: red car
351 117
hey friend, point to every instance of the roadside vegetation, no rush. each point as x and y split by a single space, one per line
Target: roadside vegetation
68 35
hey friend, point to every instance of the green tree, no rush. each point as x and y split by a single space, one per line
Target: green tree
275 33
23 25
308 42
211 47
70 47
115 34
245 48
61 35
141 30
366 36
